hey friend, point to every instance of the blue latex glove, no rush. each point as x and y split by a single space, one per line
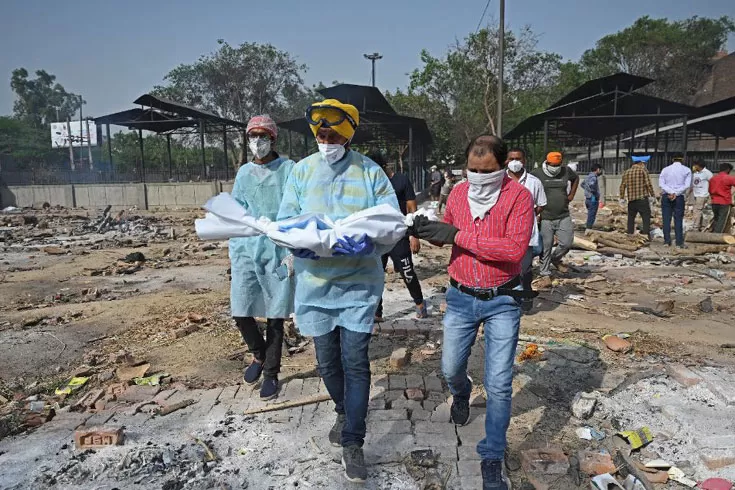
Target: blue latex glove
354 248
593 199
304 253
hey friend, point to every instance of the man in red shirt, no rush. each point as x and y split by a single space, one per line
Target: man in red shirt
720 190
488 222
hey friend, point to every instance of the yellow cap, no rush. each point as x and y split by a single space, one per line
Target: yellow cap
334 110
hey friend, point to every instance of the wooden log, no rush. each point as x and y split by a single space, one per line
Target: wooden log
700 250
611 251
620 246
289 404
583 244
714 238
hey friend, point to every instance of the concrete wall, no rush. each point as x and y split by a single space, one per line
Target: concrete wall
169 196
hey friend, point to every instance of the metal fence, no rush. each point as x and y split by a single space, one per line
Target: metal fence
616 166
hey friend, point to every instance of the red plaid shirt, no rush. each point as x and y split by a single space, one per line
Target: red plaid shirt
488 251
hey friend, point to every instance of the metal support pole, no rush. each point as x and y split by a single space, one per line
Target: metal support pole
717 148
655 141
546 138
142 155
109 144
170 161
71 145
685 137
501 56
632 142
81 132
617 154
224 144
602 154
410 153
589 155
89 147
201 141
666 147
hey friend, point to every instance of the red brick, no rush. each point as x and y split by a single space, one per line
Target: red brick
88 400
545 461
98 437
683 375
137 393
117 389
596 462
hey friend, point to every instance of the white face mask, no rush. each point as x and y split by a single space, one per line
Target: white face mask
484 191
550 170
515 166
260 147
332 153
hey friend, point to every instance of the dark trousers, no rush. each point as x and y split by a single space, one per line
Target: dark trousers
403 261
527 269
721 216
642 207
673 209
344 366
268 350
592 207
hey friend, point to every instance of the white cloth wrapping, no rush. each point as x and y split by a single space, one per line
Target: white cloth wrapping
226 218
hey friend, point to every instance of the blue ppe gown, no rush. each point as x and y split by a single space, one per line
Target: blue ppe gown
337 291
260 283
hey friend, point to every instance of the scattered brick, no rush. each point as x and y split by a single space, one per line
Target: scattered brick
683 375
399 358
137 393
546 461
416 394
176 406
616 344
432 383
117 389
88 400
85 438
413 381
596 462
184 331
583 405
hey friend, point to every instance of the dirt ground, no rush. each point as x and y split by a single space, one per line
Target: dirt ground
69 303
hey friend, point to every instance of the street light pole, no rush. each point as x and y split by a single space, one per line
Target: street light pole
501 55
373 57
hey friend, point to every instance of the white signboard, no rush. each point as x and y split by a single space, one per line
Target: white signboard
60 135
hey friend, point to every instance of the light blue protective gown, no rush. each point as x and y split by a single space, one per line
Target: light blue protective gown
337 291
260 285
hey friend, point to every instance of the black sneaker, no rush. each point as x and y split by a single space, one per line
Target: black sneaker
493 475
335 434
353 462
269 389
460 412
251 375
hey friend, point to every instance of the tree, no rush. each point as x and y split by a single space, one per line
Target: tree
238 82
40 101
674 53
461 87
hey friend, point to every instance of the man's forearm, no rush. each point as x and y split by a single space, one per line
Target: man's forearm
411 206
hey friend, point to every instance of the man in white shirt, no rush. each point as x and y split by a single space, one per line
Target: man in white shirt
674 181
700 191
516 164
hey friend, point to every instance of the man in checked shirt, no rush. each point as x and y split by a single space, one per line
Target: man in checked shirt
488 222
637 183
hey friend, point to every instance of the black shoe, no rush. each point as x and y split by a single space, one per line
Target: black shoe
353 462
526 305
252 372
460 411
269 389
335 434
493 475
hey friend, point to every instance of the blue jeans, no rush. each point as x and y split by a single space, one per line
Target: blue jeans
345 369
502 318
675 208
592 206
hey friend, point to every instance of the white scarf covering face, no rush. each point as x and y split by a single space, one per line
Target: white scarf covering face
550 170
484 191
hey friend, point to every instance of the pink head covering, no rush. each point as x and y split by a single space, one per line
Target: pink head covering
263 122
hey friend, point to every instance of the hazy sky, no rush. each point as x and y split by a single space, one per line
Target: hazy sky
111 52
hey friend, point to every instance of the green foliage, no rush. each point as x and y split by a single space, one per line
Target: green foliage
40 101
674 53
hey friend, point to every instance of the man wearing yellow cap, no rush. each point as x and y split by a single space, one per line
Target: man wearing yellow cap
336 297
560 185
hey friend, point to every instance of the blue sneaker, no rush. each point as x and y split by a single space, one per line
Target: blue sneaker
269 388
252 372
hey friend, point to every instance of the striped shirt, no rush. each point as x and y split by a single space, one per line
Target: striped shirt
487 252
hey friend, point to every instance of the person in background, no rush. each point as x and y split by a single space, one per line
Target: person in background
446 189
636 187
674 182
720 189
436 183
488 223
257 288
560 184
336 297
401 253
700 191
516 164
591 187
